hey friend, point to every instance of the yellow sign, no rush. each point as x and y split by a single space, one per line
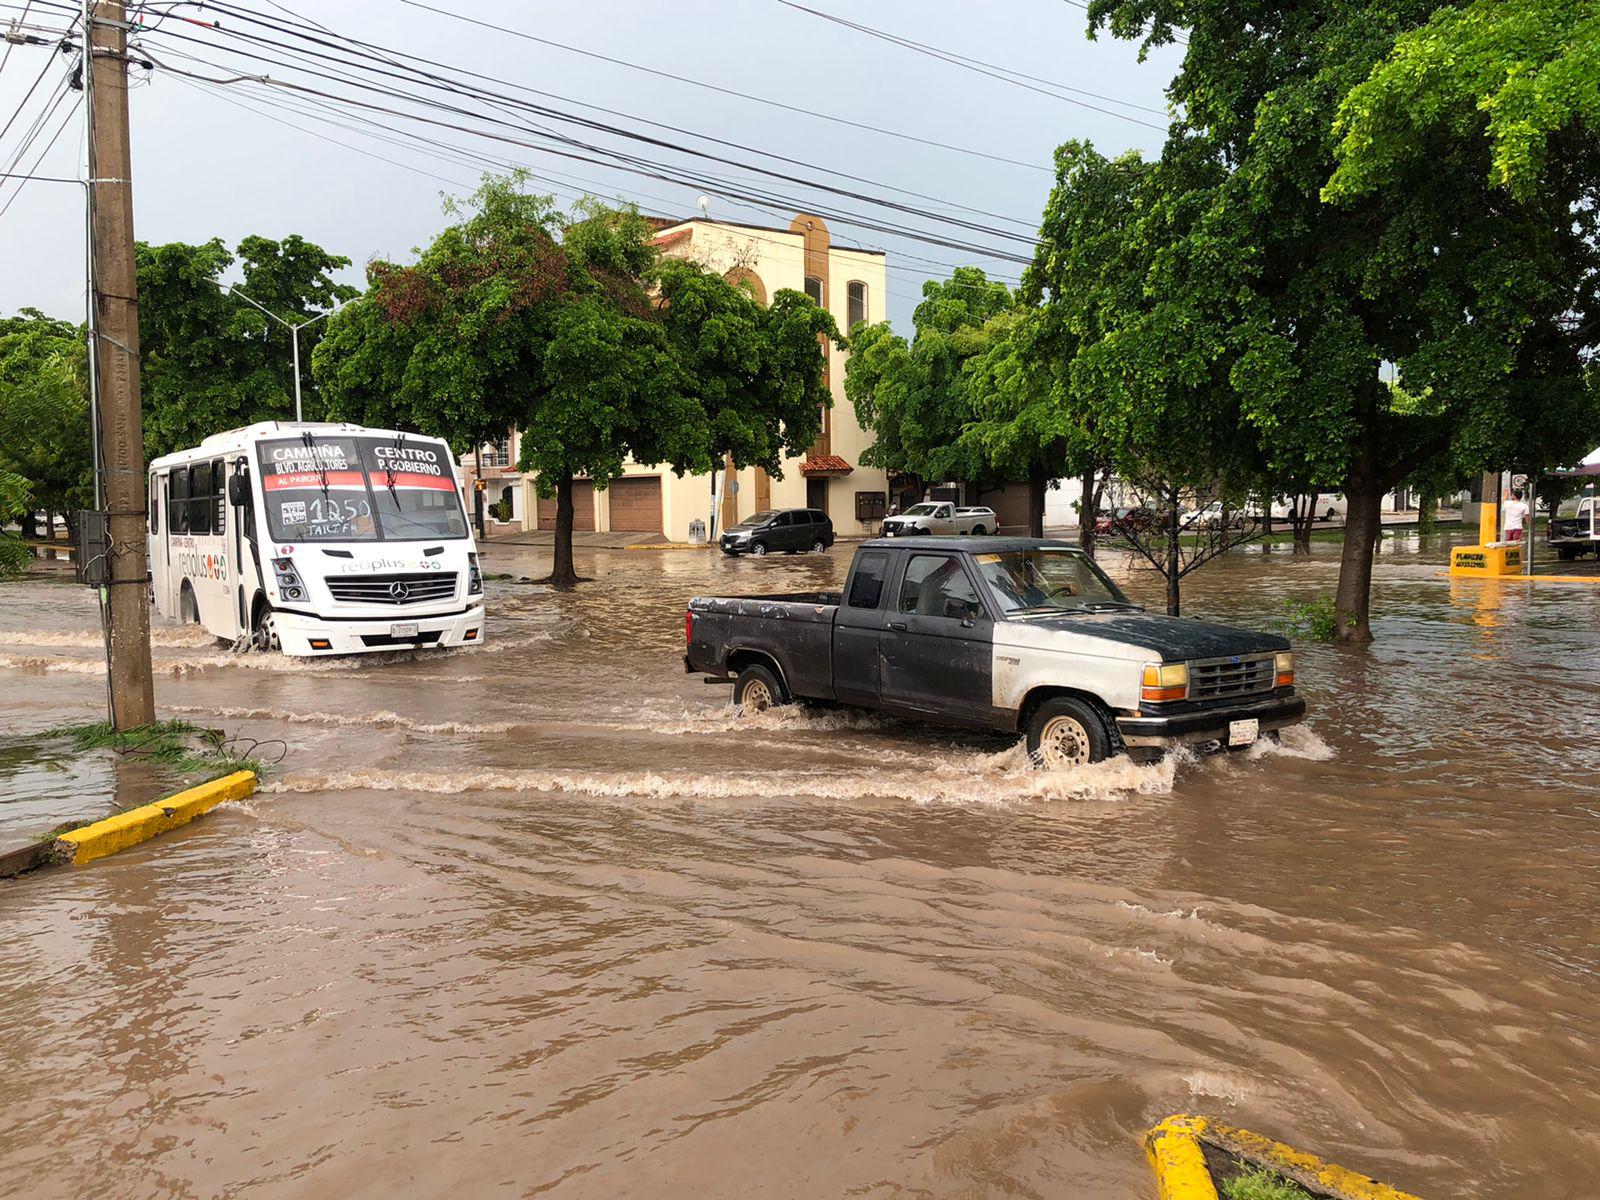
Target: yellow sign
1486 561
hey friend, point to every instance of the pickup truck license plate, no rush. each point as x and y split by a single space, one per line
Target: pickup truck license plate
1242 733
410 630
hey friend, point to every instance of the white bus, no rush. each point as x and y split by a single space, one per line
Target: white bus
316 539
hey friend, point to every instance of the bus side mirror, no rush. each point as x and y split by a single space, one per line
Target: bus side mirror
238 490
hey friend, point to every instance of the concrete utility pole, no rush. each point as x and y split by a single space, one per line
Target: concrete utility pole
114 360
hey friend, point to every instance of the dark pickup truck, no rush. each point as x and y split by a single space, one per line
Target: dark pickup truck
1016 635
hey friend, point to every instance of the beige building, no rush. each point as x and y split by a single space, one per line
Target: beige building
649 499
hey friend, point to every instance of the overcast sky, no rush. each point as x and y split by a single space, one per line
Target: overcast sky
206 167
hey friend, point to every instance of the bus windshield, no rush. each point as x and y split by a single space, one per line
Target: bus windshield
359 488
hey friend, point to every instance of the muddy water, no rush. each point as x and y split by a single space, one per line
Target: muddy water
545 918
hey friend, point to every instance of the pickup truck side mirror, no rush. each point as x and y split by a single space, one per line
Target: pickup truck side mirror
239 490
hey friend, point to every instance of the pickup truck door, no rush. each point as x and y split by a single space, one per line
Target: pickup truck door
944 521
858 630
938 641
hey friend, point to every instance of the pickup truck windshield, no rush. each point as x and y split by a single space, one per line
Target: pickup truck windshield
923 510
359 489
1043 581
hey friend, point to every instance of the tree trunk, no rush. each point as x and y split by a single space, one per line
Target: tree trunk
1173 564
1427 514
1362 524
561 573
1302 520
1036 486
1088 509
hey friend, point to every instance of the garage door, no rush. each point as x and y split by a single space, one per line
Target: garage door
1010 504
582 508
636 505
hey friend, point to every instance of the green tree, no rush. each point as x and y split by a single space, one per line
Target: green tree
911 394
209 360
1469 292
15 501
570 329
44 412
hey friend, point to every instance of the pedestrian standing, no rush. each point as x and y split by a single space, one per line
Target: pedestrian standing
1515 514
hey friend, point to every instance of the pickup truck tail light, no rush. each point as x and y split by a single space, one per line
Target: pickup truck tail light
688 628
1285 669
1164 681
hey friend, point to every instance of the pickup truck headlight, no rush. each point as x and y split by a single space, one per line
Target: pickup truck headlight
1285 669
1164 681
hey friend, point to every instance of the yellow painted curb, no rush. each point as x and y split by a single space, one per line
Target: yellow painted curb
145 822
1180 1163
1589 579
1176 1153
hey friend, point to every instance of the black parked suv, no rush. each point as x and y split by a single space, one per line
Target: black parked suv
790 529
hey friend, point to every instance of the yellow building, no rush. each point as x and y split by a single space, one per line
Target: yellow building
850 283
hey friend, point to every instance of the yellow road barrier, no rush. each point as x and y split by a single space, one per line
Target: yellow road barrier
1180 1163
1176 1150
145 822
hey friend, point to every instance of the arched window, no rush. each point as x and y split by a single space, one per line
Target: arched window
855 304
814 290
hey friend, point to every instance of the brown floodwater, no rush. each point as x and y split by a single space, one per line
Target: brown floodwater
545 918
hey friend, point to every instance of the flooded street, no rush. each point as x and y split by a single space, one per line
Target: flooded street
546 918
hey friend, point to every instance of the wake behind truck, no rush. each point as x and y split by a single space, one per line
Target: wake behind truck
1013 635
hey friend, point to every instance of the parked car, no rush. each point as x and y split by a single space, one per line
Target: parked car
1016 635
941 517
788 529
1575 529
1213 516
1127 519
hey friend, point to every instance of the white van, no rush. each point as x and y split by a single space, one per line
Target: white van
316 539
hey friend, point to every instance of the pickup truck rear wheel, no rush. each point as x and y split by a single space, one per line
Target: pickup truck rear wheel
758 689
1067 732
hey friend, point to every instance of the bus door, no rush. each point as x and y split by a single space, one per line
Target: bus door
242 540
159 570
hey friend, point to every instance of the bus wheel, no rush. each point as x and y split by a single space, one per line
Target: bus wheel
264 630
188 610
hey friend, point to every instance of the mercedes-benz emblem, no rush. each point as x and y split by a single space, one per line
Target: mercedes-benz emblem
399 589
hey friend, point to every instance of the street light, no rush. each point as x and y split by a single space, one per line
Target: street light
294 334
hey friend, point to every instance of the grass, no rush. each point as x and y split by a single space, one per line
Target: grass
1258 1183
1313 619
180 747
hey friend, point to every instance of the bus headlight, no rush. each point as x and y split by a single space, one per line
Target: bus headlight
474 576
288 582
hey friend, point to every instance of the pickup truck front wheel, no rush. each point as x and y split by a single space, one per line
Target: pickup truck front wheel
1067 732
757 689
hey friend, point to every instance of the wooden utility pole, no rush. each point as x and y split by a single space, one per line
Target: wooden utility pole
114 359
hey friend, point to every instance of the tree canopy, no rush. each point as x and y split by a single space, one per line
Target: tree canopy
44 412
912 394
570 328
1301 297
209 360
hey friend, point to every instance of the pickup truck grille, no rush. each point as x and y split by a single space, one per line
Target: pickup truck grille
1232 677
413 587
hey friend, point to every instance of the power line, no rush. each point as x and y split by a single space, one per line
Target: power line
1176 36
635 164
477 93
992 70
712 87
630 163
50 145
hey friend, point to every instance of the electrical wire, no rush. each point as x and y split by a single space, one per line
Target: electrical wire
992 70
584 151
429 79
725 91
